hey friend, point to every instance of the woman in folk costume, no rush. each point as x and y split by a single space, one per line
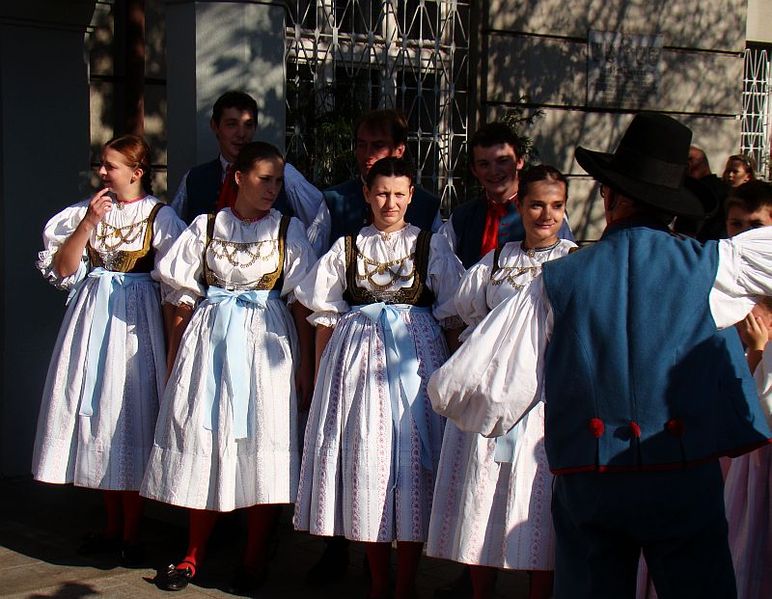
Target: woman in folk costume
372 440
492 498
748 486
108 367
242 358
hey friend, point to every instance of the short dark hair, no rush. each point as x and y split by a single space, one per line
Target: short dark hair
492 134
541 172
384 121
233 99
750 196
391 166
254 152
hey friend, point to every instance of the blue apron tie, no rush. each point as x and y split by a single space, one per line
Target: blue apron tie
228 339
506 445
99 332
402 369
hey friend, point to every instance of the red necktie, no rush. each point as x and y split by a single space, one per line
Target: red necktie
493 216
228 190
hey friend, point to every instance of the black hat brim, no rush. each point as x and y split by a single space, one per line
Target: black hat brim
676 201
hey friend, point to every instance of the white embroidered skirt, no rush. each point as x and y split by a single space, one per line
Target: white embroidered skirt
109 449
202 467
361 476
494 514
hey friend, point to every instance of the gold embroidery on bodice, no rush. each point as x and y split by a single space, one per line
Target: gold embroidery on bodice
110 237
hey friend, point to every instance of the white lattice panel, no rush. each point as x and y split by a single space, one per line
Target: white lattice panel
755 140
345 57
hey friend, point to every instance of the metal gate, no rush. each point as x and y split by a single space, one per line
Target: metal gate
755 140
345 57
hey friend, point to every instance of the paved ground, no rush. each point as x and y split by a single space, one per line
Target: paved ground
40 525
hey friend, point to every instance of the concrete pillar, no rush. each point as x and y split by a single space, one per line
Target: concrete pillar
213 47
44 158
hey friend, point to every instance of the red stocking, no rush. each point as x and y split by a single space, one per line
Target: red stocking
408 557
132 515
113 510
483 581
378 555
541 584
260 524
201 524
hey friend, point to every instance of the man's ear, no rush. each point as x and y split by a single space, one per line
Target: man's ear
399 151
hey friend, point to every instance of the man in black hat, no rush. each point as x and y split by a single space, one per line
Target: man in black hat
643 392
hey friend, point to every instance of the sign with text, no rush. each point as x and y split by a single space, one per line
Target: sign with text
623 70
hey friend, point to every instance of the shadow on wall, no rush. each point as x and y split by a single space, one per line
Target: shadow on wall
699 78
243 55
237 56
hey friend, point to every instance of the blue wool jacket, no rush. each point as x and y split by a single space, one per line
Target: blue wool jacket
202 187
637 376
349 212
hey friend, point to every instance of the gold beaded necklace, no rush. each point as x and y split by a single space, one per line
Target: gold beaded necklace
392 268
511 273
112 237
232 250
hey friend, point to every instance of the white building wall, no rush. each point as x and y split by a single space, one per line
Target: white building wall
538 50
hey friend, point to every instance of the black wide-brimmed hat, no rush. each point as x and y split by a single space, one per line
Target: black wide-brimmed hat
649 165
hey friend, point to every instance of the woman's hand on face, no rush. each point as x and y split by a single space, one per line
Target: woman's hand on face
754 332
99 205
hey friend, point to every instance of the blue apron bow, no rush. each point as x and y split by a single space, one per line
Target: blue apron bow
99 332
506 445
402 370
229 360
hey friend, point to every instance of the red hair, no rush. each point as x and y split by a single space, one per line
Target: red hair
137 154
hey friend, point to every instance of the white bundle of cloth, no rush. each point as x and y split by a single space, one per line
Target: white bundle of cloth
505 351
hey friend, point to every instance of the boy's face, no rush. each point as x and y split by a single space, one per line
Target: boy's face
371 146
496 168
739 220
235 129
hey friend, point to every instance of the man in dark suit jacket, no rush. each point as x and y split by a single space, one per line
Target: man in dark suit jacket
233 122
478 226
377 134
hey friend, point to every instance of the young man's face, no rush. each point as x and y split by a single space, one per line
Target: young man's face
235 129
371 146
697 166
496 168
739 220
